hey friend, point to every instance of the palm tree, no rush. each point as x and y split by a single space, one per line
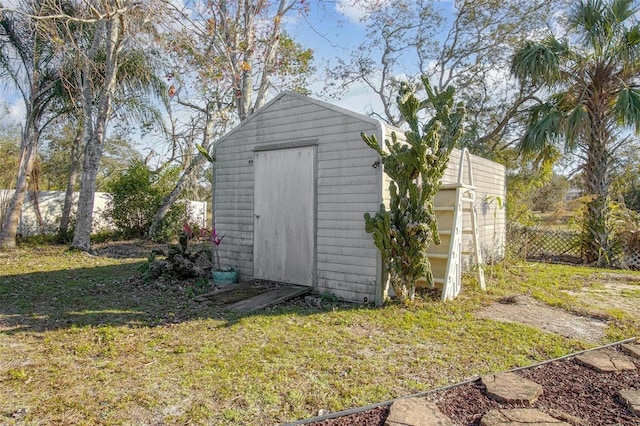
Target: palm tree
50 79
137 84
28 62
592 78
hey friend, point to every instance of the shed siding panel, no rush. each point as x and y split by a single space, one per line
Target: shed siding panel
344 241
347 187
345 254
489 180
330 215
335 250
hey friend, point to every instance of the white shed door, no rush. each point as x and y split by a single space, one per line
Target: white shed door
283 247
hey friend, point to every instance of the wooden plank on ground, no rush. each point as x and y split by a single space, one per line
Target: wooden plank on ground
269 298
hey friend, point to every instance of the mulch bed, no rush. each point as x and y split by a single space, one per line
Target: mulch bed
568 386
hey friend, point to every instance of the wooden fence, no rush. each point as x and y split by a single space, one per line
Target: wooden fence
534 243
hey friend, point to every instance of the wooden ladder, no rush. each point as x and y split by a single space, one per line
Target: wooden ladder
450 204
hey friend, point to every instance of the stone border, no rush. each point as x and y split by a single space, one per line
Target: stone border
356 410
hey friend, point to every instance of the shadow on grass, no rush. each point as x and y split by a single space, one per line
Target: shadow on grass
116 295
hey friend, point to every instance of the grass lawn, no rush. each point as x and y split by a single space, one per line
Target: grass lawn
84 340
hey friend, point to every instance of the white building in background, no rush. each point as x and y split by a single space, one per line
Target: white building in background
573 194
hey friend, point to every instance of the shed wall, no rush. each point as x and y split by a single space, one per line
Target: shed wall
489 180
347 186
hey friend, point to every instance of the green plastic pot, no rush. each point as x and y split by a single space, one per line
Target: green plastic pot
225 276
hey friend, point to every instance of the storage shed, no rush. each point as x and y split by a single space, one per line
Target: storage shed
292 183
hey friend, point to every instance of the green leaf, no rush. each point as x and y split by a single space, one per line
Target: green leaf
204 152
538 63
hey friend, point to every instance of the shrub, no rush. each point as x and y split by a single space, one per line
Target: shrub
136 195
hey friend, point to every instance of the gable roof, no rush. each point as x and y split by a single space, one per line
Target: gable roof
298 96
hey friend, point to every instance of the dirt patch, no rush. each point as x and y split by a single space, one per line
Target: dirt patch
133 249
621 291
526 310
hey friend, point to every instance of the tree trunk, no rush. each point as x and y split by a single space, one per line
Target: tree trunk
94 132
34 183
84 215
173 195
76 154
598 245
188 171
36 207
270 56
12 217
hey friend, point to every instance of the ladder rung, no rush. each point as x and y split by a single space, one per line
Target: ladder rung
464 203
449 232
438 255
457 185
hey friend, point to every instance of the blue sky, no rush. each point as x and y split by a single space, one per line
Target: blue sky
332 28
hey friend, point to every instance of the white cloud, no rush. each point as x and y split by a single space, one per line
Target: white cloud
356 10
353 12
14 113
10 4
17 112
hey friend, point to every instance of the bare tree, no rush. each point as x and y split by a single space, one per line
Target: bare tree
403 43
226 57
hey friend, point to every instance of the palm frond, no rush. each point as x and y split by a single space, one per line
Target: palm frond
620 11
575 123
627 108
545 128
632 36
589 19
539 63
136 72
630 50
